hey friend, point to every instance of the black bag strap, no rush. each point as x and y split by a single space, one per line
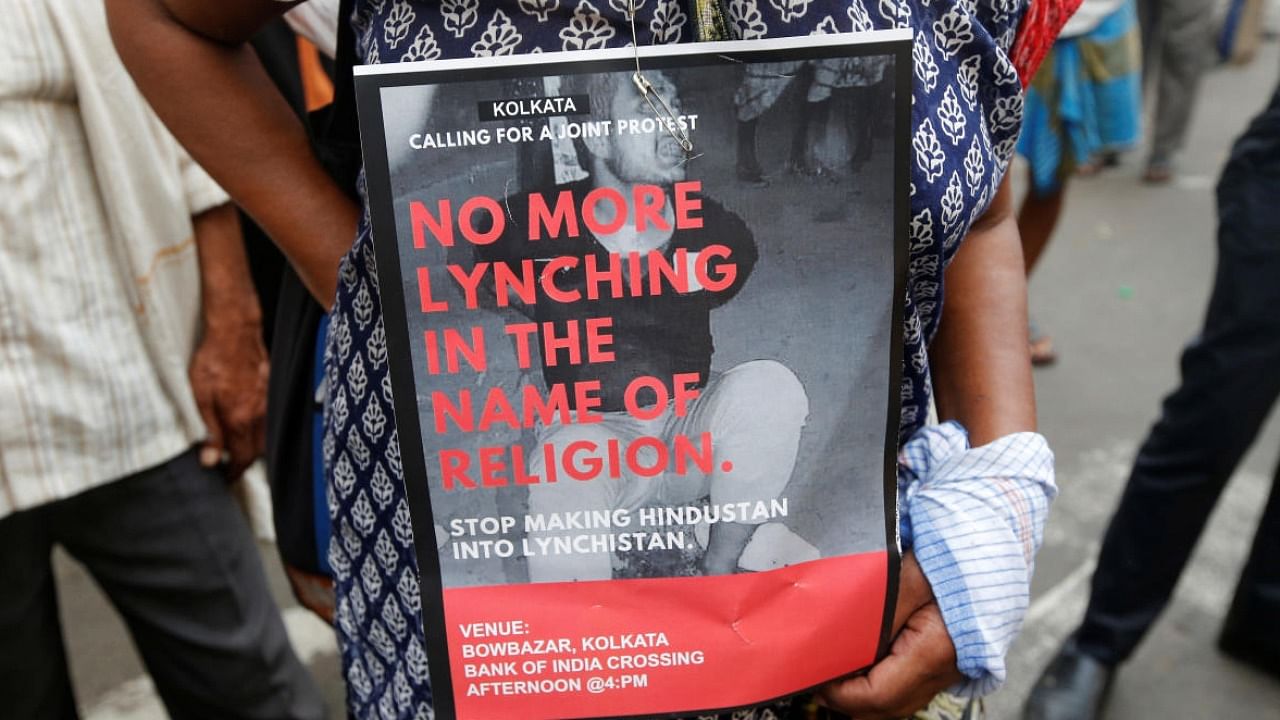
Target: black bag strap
335 127
291 403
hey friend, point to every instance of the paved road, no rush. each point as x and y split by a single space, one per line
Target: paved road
1121 289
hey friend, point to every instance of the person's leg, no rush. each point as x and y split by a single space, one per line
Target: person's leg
1045 143
1037 219
761 89
811 120
1251 632
860 128
1148 27
755 413
748 168
34 682
1184 34
1230 380
1246 198
175 556
567 494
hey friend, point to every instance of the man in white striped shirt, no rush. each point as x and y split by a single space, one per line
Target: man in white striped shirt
132 381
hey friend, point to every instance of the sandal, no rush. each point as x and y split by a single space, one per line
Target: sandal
1104 160
1041 345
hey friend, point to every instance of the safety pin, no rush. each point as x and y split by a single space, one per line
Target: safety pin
665 116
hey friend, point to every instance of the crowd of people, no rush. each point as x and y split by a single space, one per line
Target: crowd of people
155 340
1084 108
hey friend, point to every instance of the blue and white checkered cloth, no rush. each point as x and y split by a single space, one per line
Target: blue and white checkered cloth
975 518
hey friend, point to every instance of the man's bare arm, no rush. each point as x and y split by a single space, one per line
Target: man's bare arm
229 367
190 60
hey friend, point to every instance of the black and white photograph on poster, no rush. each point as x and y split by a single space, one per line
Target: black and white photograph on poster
651 316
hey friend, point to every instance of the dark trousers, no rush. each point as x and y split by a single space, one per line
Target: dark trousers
1230 380
173 553
1177 44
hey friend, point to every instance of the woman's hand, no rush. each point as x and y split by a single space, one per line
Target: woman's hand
921 662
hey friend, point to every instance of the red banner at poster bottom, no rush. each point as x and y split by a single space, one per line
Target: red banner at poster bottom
642 647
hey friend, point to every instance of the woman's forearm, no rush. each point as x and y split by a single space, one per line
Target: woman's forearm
211 91
992 479
979 359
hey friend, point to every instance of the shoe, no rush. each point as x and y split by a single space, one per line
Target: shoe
1104 160
1073 687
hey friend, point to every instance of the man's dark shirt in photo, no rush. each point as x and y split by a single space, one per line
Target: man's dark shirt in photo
656 335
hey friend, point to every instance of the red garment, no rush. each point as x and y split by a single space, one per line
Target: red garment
1039 29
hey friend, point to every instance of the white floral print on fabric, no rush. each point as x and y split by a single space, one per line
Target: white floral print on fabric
621 6
747 19
540 9
588 30
966 112
791 10
668 22
499 38
459 15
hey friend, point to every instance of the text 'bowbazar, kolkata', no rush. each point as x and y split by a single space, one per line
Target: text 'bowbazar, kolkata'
481 221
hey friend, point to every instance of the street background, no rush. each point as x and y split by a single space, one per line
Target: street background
1121 288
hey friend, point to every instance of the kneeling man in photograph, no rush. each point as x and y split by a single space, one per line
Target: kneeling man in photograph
636 253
